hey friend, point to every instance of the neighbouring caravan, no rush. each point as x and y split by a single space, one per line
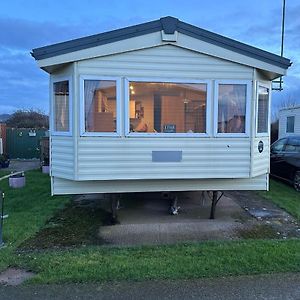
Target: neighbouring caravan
289 122
160 106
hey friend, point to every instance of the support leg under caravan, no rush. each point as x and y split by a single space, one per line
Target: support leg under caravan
214 201
114 205
214 196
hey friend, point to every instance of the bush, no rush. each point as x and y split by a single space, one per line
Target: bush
4 160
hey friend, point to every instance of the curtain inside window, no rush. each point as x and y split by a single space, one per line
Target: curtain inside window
61 106
100 105
231 108
263 110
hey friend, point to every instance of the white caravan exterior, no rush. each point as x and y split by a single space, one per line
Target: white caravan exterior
169 156
289 122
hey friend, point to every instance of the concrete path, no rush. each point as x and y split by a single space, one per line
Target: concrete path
144 220
267 287
23 165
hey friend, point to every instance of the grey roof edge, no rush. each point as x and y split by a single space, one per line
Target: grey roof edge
290 108
233 45
95 40
169 25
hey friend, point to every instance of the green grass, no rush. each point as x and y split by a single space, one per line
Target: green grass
72 226
259 231
30 208
209 259
284 196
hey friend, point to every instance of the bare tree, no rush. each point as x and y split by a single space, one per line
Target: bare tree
288 102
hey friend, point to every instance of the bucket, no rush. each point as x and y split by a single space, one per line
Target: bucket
46 169
17 181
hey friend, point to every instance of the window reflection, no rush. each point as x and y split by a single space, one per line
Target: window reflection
167 107
61 106
231 108
100 105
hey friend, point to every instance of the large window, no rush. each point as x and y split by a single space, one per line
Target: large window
61 107
232 106
263 110
290 124
168 108
100 106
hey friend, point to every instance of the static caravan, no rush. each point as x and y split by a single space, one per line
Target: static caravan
289 122
160 106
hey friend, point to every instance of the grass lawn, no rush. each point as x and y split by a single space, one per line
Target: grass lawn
284 196
30 208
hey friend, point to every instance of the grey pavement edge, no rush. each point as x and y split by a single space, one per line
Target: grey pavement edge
267 287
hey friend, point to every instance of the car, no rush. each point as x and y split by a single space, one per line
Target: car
285 160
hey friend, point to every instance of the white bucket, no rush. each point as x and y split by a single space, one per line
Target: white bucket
17 182
46 169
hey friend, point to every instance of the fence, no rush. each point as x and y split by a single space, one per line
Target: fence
24 143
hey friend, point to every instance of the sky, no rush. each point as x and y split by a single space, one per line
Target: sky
29 24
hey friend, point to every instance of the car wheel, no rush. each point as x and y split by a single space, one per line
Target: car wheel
296 181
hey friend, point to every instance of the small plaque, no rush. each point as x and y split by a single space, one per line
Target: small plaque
166 156
169 128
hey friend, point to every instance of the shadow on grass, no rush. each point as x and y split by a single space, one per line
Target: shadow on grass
70 227
261 231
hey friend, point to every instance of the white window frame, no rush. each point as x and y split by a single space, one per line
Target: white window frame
54 80
286 120
83 132
264 85
162 134
248 84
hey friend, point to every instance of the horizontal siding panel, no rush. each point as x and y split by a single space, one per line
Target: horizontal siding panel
160 53
63 186
62 163
164 61
261 161
131 158
171 66
144 150
105 159
62 157
151 175
135 165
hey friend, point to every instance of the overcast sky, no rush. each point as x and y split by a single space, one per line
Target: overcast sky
28 24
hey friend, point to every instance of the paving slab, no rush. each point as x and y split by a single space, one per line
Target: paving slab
13 276
23 165
144 220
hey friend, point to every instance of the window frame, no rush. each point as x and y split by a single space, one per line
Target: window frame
264 85
54 80
286 124
83 131
248 84
163 134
